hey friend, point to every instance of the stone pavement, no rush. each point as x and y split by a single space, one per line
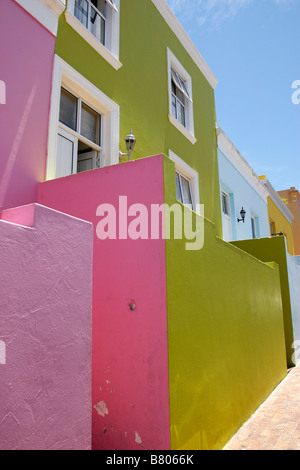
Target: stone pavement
276 424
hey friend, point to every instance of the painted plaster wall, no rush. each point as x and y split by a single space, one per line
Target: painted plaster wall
130 355
242 194
281 224
294 281
26 52
225 334
274 249
292 199
45 325
140 88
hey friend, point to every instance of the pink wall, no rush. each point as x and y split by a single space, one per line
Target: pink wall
26 54
130 354
45 325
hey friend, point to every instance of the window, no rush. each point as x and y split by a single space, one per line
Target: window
83 125
226 219
187 183
180 98
253 227
93 14
225 204
183 190
98 22
272 228
79 135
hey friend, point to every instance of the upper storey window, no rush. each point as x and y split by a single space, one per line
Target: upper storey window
180 95
98 22
180 98
94 15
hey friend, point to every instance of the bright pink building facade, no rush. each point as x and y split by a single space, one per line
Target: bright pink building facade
27 49
130 352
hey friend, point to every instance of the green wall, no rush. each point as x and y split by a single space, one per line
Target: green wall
225 334
140 88
274 249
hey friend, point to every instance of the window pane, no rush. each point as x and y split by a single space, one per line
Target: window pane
180 113
68 109
97 25
100 5
81 11
86 158
179 83
90 124
178 189
180 95
174 112
225 204
186 192
253 226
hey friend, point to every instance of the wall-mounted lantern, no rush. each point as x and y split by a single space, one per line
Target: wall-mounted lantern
130 143
243 215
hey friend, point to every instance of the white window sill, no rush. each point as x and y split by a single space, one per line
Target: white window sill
92 41
182 129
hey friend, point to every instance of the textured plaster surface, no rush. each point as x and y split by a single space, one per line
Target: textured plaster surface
45 325
130 353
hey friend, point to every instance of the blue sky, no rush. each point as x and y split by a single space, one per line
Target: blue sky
253 48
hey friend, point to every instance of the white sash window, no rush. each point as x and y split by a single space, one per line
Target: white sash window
98 22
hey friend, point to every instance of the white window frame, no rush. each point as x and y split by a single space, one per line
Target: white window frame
110 52
188 129
190 174
254 226
227 196
67 77
181 177
76 134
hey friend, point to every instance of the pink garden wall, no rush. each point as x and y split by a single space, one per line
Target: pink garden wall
27 50
45 330
130 354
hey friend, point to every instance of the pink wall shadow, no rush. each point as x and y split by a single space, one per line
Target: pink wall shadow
27 54
130 353
46 326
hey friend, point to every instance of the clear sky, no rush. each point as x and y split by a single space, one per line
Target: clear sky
253 48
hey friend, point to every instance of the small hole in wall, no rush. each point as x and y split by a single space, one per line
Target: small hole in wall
132 306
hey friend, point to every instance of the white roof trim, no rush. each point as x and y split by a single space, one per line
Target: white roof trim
242 166
278 201
178 30
46 12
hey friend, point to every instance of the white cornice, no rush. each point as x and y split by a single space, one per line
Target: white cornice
45 12
178 30
238 161
57 6
278 201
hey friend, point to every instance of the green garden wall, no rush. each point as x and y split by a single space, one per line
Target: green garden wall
140 88
274 249
225 335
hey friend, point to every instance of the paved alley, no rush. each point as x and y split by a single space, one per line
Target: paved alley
276 424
